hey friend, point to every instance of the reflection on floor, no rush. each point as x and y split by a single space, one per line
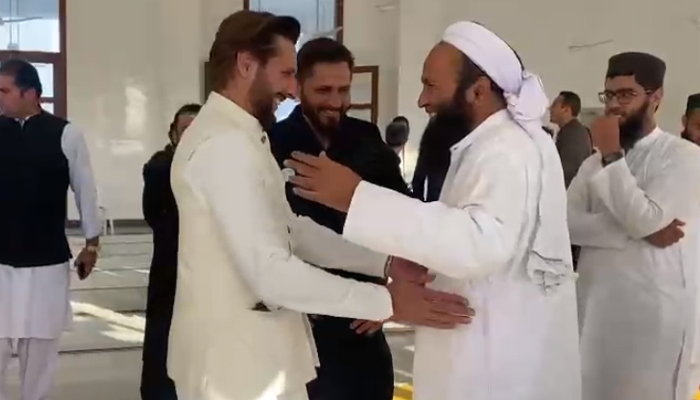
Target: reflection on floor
101 354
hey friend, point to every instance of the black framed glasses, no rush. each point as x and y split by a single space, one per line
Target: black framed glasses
623 96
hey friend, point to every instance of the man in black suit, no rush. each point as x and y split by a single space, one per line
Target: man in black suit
573 140
353 365
160 212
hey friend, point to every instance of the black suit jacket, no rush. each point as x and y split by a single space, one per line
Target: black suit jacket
358 145
161 214
574 146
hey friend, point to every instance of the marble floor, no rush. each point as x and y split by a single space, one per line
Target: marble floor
101 355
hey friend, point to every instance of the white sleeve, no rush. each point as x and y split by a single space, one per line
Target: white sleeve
82 180
586 228
228 172
322 247
672 193
472 240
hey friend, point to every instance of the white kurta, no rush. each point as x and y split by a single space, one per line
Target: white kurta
523 342
636 301
34 302
239 246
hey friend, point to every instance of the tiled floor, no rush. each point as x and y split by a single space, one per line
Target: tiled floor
101 354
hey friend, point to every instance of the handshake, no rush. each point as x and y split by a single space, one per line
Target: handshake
415 304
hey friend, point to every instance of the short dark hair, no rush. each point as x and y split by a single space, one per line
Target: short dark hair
322 50
402 119
247 31
692 104
396 134
191 108
24 73
648 70
571 100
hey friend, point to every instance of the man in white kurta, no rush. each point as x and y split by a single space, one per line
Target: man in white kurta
498 235
238 332
41 155
634 210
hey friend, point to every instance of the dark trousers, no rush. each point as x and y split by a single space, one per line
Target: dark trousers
352 366
155 383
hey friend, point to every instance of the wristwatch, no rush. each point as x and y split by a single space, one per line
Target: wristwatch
612 157
91 248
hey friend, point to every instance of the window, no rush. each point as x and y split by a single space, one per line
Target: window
317 18
34 30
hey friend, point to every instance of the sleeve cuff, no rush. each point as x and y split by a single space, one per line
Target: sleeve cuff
361 218
379 306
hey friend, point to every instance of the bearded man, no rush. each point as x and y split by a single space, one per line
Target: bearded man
498 235
634 210
352 365
238 331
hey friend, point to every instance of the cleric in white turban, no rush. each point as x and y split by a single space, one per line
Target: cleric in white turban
498 235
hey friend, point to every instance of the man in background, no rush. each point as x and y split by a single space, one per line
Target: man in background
160 212
691 119
41 156
352 365
573 140
634 209
433 159
396 136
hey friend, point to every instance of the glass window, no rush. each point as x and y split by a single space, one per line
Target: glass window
317 17
46 77
48 107
30 25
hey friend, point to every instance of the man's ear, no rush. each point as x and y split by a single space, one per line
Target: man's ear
246 65
684 121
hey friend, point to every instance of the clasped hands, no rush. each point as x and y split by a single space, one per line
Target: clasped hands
415 304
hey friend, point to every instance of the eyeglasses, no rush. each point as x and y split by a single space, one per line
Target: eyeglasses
623 96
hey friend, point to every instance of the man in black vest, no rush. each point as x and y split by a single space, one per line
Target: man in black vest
353 365
160 212
41 156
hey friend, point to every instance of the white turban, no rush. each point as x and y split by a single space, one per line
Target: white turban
527 100
550 261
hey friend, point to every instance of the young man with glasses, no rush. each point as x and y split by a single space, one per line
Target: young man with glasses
633 209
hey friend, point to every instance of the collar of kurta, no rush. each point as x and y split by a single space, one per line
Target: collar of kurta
493 120
647 140
235 113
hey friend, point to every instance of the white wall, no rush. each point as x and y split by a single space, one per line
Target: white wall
129 71
131 64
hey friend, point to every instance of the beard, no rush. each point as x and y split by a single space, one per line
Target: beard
450 124
632 128
328 128
262 100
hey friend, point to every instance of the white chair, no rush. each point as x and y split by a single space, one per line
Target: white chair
107 220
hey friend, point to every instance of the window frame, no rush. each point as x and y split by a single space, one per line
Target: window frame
339 16
58 60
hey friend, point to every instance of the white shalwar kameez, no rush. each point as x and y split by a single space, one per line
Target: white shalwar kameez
637 302
499 237
34 302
